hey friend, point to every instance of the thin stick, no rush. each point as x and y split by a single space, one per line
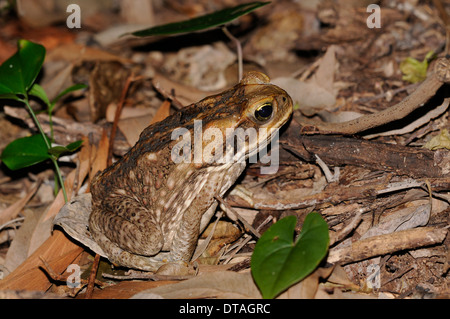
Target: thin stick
112 136
387 244
92 275
242 220
238 49
418 98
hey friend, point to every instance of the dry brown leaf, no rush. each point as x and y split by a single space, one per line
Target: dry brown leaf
316 94
403 219
221 285
73 52
310 97
324 75
201 66
14 210
74 219
132 127
18 250
72 183
307 288
127 112
162 113
100 156
340 277
183 93
58 251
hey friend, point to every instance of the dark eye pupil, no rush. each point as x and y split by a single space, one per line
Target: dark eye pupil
264 112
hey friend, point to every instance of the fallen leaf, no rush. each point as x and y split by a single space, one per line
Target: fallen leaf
442 140
14 210
407 218
132 127
58 251
162 113
311 97
220 285
101 156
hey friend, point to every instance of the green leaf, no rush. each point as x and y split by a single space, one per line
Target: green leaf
57 151
72 147
25 151
277 262
415 71
18 73
8 96
39 92
203 22
442 140
72 88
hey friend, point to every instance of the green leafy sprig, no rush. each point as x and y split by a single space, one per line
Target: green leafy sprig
17 82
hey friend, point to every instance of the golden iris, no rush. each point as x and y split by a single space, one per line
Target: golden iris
264 112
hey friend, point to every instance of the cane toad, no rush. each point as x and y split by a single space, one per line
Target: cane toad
149 207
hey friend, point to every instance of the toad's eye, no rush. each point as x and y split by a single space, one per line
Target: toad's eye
264 112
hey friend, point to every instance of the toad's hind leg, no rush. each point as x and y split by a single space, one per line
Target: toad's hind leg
127 224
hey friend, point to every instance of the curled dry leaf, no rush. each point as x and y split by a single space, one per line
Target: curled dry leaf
74 219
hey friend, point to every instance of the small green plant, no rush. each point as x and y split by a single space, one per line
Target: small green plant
17 82
278 261
415 71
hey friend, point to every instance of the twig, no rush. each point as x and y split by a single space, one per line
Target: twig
242 220
331 178
347 228
112 136
238 49
13 221
131 275
247 239
238 248
201 248
92 275
57 277
397 276
417 99
386 244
